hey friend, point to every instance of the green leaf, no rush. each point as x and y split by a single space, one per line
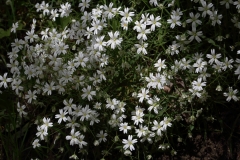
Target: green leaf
162 111
4 33
65 21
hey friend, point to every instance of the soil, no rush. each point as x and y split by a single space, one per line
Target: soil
213 148
223 144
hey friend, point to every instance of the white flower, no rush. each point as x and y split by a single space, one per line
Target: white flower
215 18
20 110
227 64
61 116
129 143
96 27
72 122
199 65
102 136
65 10
177 12
157 127
213 57
205 8
194 20
85 113
160 65
153 2
4 80
84 4
197 85
49 88
54 14
36 143
142 32
124 127
14 27
143 95
154 104
138 117
111 103
81 142
231 94
126 15
41 133
114 40
154 22
31 96
141 48
31 36
204 74
99 45
88 93
127 153
166 123
175 20
46 124
69 105
195 35
124 24
142 131
73 137
109 11
74 156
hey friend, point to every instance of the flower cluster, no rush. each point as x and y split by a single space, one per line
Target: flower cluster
91 65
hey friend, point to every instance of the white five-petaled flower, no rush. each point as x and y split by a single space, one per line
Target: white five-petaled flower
46 124
166 122
4 80
175 20
213 57
61 116
231 94
160 65
14 27
157 127
142 32
126 15
31 96
205 8
138 117
194 20
124 127
154 22
141 48
49 88
87 92
54 14
200 65
197 85
99 45
36 143
41 133
84 4
102 136
20 110
143 95
74 137
114 40
195 35
128 143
